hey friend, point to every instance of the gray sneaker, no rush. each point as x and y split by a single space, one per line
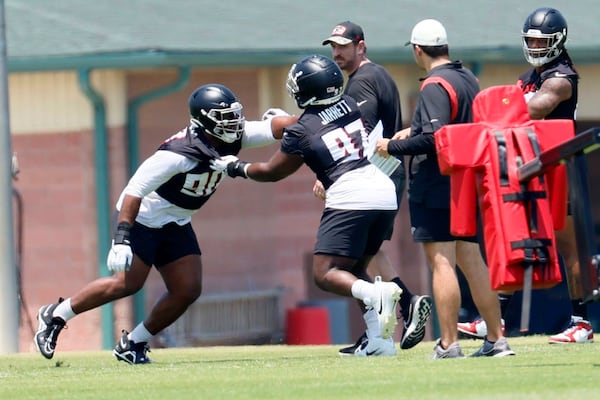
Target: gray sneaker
453 351
500 348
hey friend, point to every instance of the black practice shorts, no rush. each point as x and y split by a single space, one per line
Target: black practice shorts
432 224
160 246
399 180
352 233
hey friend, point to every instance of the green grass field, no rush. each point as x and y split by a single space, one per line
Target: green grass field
538 371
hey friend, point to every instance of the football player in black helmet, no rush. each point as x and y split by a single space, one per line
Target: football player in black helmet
544 36
154 215
360 205
550 88
376 93
216 109
315 80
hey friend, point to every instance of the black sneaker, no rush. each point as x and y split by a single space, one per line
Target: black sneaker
48 329
499 348
350 350
414 324
130 352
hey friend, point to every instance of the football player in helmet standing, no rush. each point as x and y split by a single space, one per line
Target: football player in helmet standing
360 201
550 88
154 221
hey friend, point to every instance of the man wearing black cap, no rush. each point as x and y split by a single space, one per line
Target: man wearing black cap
377 96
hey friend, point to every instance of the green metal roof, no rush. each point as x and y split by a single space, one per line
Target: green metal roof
67 34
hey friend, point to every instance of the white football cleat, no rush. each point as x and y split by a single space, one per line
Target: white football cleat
385 301
476 329
376 346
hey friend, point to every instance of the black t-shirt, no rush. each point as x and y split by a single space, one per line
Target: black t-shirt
377 95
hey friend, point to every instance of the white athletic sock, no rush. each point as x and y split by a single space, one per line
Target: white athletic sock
63 310
373 328
140 334
363 290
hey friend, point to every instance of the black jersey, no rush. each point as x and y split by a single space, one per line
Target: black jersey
329 139
531 81
190 190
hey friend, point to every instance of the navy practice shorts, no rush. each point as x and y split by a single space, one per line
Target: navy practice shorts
352 233
432 224
160 246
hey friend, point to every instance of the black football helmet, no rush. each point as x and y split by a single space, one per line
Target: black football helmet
315 80
215 108
549 25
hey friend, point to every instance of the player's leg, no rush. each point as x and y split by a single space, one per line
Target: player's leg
579 328
52 318
183 281
178 260
346 241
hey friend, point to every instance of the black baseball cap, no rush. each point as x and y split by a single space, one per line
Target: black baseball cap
345 33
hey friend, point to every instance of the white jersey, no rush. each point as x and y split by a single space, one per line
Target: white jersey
366 188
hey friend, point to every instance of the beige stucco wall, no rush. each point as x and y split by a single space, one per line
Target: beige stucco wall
52 102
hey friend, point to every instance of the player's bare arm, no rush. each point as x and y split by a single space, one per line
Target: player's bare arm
552 92
278 167
278 123
129 209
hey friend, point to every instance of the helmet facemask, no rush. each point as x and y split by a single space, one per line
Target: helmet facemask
226 124
539 56
292 87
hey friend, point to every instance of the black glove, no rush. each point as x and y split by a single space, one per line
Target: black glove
238 168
